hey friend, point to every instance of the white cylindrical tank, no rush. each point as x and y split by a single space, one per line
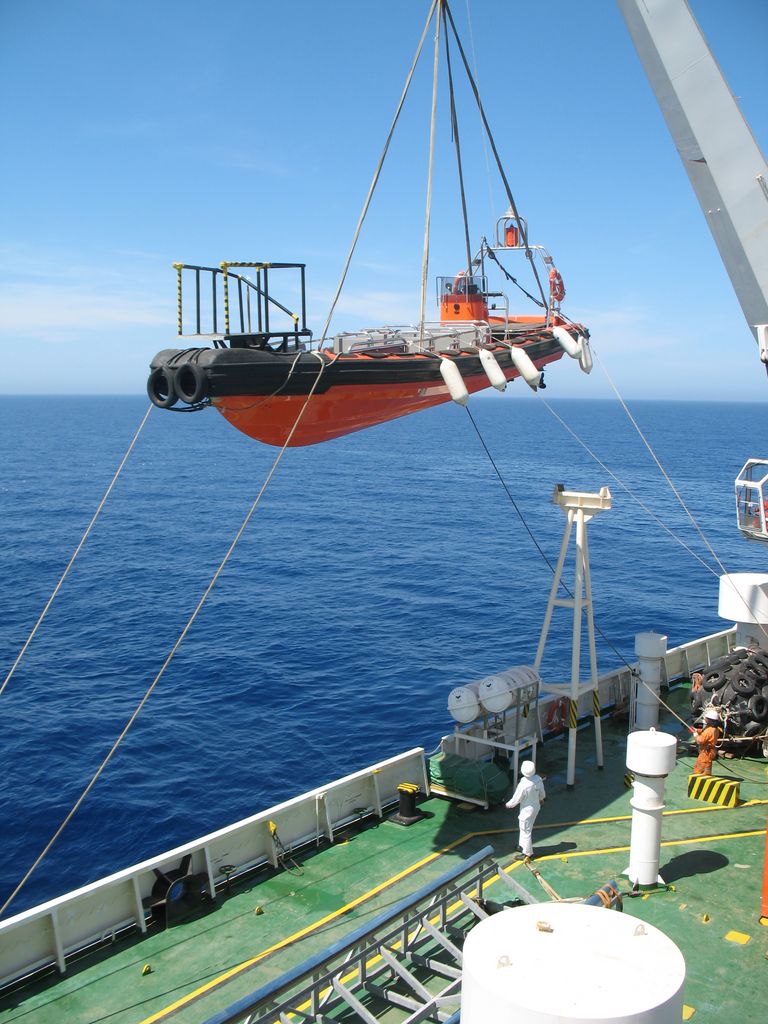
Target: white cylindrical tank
493 371
557 963
454 381
495 694
650 649
496 690
651 756
464 703
744 600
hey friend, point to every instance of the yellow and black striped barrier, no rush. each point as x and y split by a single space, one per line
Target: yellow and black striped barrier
629 779
572 706
178 267
714 790
595 703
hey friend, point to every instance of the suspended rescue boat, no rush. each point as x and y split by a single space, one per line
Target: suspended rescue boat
259 370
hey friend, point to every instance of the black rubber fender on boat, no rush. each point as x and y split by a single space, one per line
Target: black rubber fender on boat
760 657
743 685
714 679
758 707
161 387
191 383
752 729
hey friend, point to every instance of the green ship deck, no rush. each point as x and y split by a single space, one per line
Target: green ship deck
712 861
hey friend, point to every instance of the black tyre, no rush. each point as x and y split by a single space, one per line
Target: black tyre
742 685
191 383
758 708
760 657
714 679
753 729
161 388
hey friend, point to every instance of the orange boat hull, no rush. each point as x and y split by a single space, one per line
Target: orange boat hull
341 409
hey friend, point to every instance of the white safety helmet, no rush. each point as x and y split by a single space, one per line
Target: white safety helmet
528 768
712 715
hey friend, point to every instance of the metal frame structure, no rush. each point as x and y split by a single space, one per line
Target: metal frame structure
579 507
251 309
405 965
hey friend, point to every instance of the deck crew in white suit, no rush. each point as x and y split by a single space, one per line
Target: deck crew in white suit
530 796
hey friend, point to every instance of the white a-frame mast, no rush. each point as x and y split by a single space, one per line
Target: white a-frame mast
724 162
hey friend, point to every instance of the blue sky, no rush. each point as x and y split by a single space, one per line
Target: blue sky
141 133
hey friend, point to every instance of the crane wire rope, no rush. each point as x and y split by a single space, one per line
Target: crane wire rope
488 177
508 190
76 552
541 551
377 174
457 147
625 487
148 692
762 628
428 212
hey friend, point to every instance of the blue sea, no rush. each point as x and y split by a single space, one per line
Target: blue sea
379 571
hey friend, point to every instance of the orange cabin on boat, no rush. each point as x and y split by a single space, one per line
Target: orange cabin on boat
462 298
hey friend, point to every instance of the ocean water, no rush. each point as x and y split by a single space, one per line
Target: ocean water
379 571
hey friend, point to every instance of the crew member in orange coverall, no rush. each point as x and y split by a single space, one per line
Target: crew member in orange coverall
707 741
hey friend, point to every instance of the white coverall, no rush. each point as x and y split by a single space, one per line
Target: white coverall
529 794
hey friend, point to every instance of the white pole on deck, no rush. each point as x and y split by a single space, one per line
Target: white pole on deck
593 657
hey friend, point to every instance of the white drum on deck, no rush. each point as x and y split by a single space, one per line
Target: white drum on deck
564 962
464 703
496 690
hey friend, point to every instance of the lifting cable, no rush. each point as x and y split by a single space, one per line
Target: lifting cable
606 640
377 174
77 550
510 197
492 255
428 214
177 644
457 147
676 492
630 492
489 182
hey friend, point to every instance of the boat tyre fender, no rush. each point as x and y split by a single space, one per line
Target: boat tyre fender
714 679
161 387
752 729
191 383
760 658
742 685
758 707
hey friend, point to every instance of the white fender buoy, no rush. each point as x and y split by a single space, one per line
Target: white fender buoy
525 366
585 354
493 371
567 343
454 381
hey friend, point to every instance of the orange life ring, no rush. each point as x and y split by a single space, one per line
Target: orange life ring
556 286
556 715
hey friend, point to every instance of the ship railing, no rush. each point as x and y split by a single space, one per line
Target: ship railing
414 948
752 499
49 936
223 306
435 336
616 689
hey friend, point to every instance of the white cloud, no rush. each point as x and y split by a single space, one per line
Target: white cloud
57 312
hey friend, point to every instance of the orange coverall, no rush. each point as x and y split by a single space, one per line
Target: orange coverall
706 740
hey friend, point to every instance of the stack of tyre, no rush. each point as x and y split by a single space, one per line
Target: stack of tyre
737 685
